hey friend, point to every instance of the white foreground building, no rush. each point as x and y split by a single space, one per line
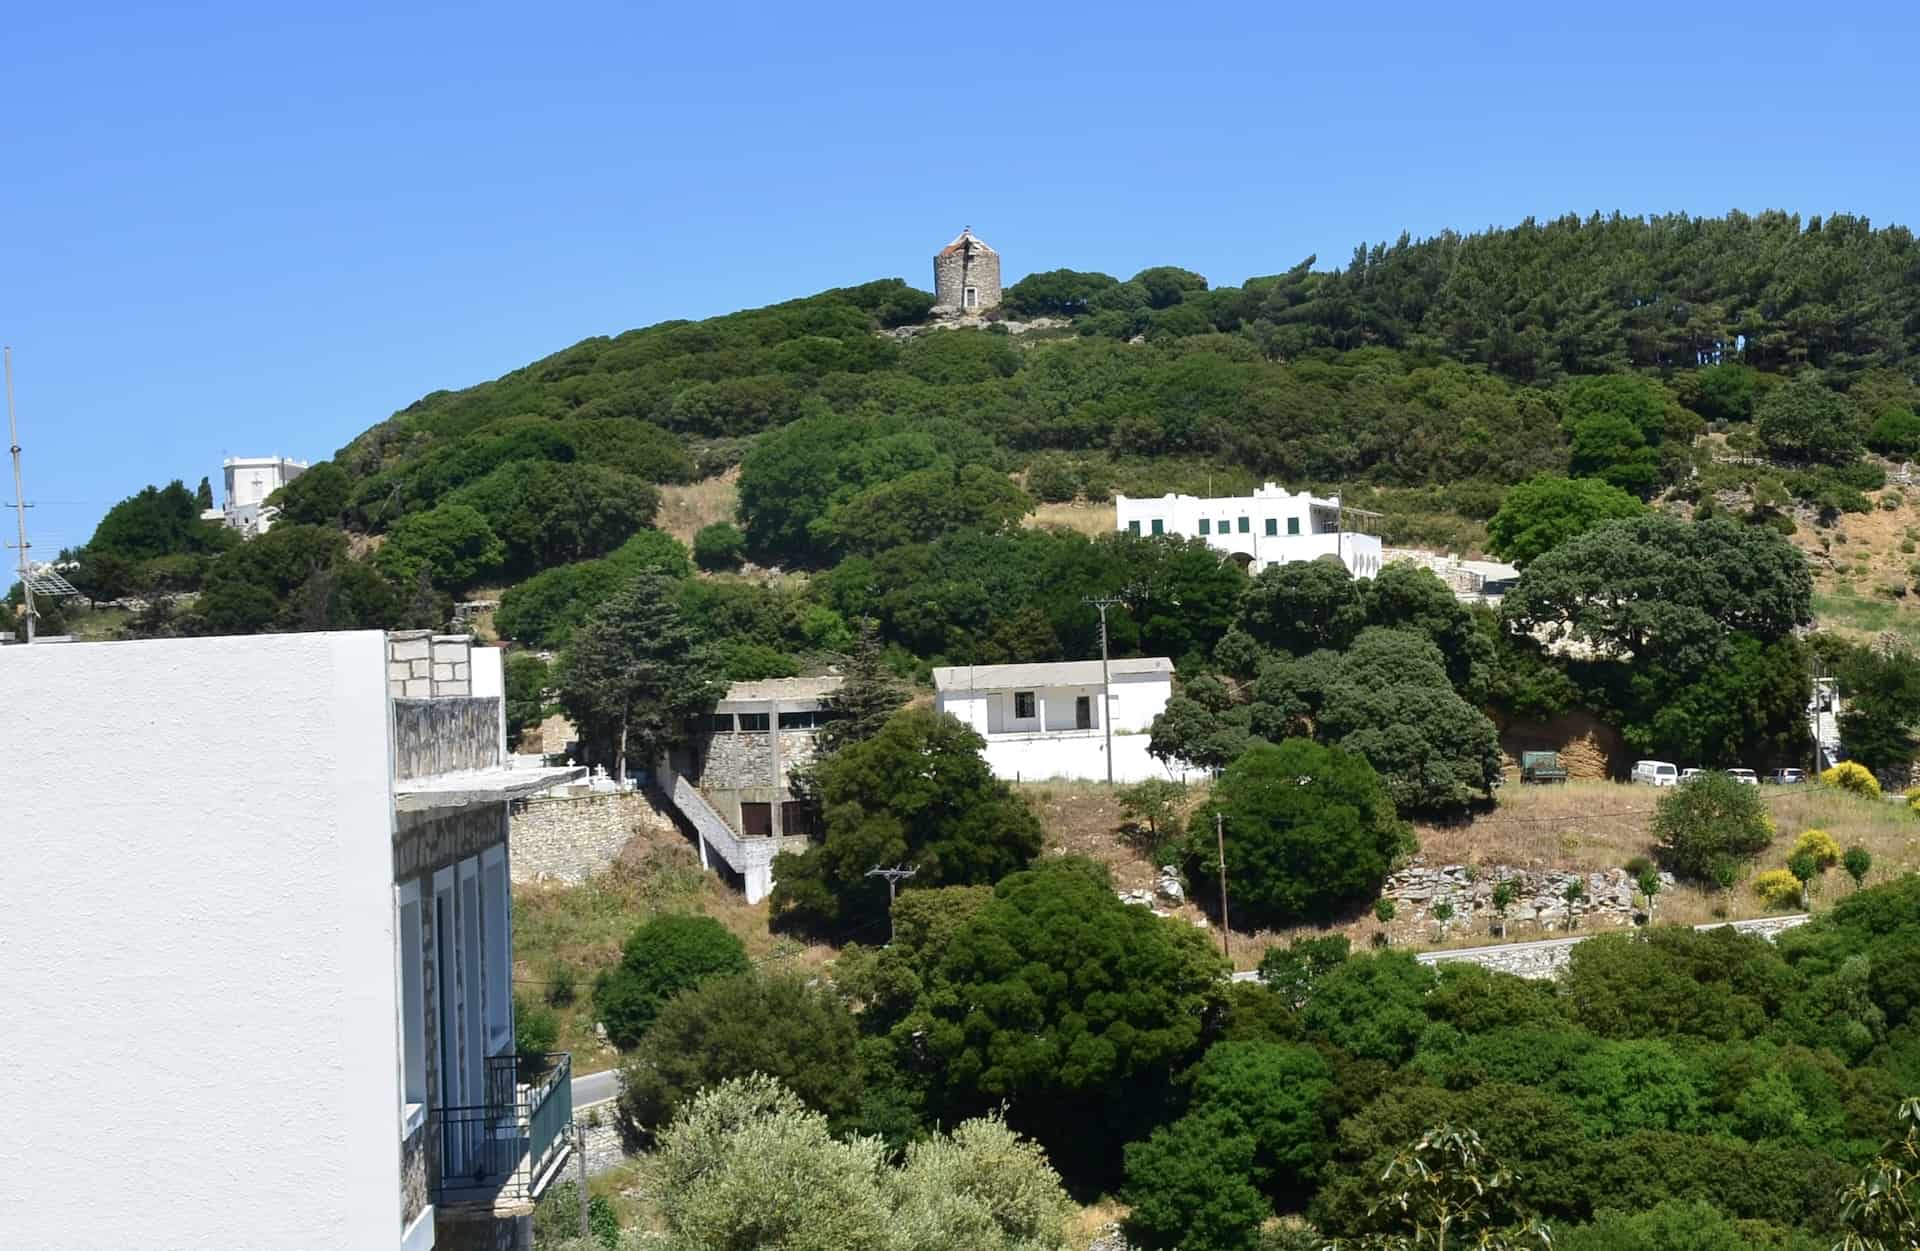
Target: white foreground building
1045 720
259 970
1273 526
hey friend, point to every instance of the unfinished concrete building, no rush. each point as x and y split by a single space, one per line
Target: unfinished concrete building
733 782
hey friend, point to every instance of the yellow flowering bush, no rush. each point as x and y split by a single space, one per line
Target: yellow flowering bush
1777 888
1913 800
1851 776
1820 845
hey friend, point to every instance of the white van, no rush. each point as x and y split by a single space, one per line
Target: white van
1656 773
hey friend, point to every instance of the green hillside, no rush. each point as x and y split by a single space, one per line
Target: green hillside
895 463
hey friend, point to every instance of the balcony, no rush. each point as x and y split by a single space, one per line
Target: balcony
505 1152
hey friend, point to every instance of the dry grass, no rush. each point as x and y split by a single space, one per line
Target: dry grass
1092 520
1581 826
583 927
686 507
1092 1220
1858 561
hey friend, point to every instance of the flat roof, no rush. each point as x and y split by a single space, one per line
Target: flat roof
1046 673
480 786
768 689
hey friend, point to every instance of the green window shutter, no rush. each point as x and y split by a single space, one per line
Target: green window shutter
1243 525
1273 526
1205 526
1158 528
1133 527
1293 525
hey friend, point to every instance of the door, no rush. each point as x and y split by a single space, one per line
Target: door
1083 712
756 820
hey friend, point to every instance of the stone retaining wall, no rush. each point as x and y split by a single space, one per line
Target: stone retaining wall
570 838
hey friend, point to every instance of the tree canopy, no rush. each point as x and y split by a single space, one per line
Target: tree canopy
917 793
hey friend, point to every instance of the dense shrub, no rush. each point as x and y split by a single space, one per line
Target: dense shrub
661 958
1854 778
719 546
1309 830
1708 821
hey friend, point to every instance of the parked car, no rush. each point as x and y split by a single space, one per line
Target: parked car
1656 773
1746 777
1689 773
1542 766
1788 777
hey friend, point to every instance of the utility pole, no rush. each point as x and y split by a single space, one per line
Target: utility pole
894 876
19 502
1226 926
1103 603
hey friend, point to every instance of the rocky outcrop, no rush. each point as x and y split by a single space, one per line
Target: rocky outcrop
1540 899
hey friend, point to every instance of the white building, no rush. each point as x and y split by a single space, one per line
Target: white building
1045 720
1273 526
249 481
263 966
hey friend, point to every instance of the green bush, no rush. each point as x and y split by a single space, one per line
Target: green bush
556 1218
663 957
1708 821
1296 850
719 546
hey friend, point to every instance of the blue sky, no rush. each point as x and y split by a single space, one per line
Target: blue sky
241 229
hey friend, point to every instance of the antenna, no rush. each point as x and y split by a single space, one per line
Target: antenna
19 499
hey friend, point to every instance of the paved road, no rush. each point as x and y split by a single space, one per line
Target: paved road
591 1088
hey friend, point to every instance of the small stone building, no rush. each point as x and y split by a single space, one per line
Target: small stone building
966 275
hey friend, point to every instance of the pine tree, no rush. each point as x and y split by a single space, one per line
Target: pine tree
866 699
635 672
204 496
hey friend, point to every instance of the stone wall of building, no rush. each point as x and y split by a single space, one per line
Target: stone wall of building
432 736
413 1174
966 262
426 841
425 665
570 838
744 759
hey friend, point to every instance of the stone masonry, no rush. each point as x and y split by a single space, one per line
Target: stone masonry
1541 897
965 263
569 838
425 665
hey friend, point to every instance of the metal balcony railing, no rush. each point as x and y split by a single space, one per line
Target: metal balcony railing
509 1147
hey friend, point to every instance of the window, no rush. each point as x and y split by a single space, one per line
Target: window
1206 527
714 723
1158 526
1226 527
1133 527
1083 712
1244 525
1023 705
799 817
756 820
750 721
1273 526
413 1012
808 719
972 297
1293 525
497 950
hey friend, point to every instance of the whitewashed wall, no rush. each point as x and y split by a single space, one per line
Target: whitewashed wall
1021 749
197 918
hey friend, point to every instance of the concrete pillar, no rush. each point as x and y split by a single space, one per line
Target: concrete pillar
758 881
773 734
